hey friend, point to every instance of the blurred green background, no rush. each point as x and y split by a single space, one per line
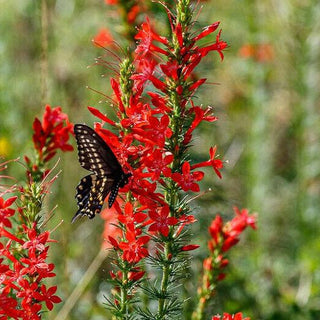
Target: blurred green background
266 95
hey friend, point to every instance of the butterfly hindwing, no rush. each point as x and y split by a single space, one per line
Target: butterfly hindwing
83 191
91 192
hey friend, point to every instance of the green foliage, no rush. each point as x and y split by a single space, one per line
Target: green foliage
268 130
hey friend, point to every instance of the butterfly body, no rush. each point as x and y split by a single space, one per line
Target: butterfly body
107 175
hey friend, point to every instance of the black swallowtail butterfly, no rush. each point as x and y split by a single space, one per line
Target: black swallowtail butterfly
107 175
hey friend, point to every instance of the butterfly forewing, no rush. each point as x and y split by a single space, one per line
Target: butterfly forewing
94 154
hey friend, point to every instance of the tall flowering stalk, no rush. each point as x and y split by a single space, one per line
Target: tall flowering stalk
24 245
223 238
154 131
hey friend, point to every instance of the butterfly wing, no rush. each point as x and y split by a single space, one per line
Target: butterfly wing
94 154
91 192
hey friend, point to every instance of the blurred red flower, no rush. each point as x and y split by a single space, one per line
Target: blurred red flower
103 38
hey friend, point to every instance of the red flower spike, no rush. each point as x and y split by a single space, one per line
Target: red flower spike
52 134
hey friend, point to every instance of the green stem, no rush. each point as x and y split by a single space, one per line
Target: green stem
124 295
164 283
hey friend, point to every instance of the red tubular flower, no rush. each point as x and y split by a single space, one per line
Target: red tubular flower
144 70
8 307
36 241
100 115
190 247
146 36
243 219
228 243
170 69
185 220
207 30
116 90
132 14
216 164
227 316
6 212
217 46
47 296
103 38
186 179
199 116
136 275
161 220
111 1
133 249
36 264
27 292
114 243
9 235
131 218
137 115
157 164
215 228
